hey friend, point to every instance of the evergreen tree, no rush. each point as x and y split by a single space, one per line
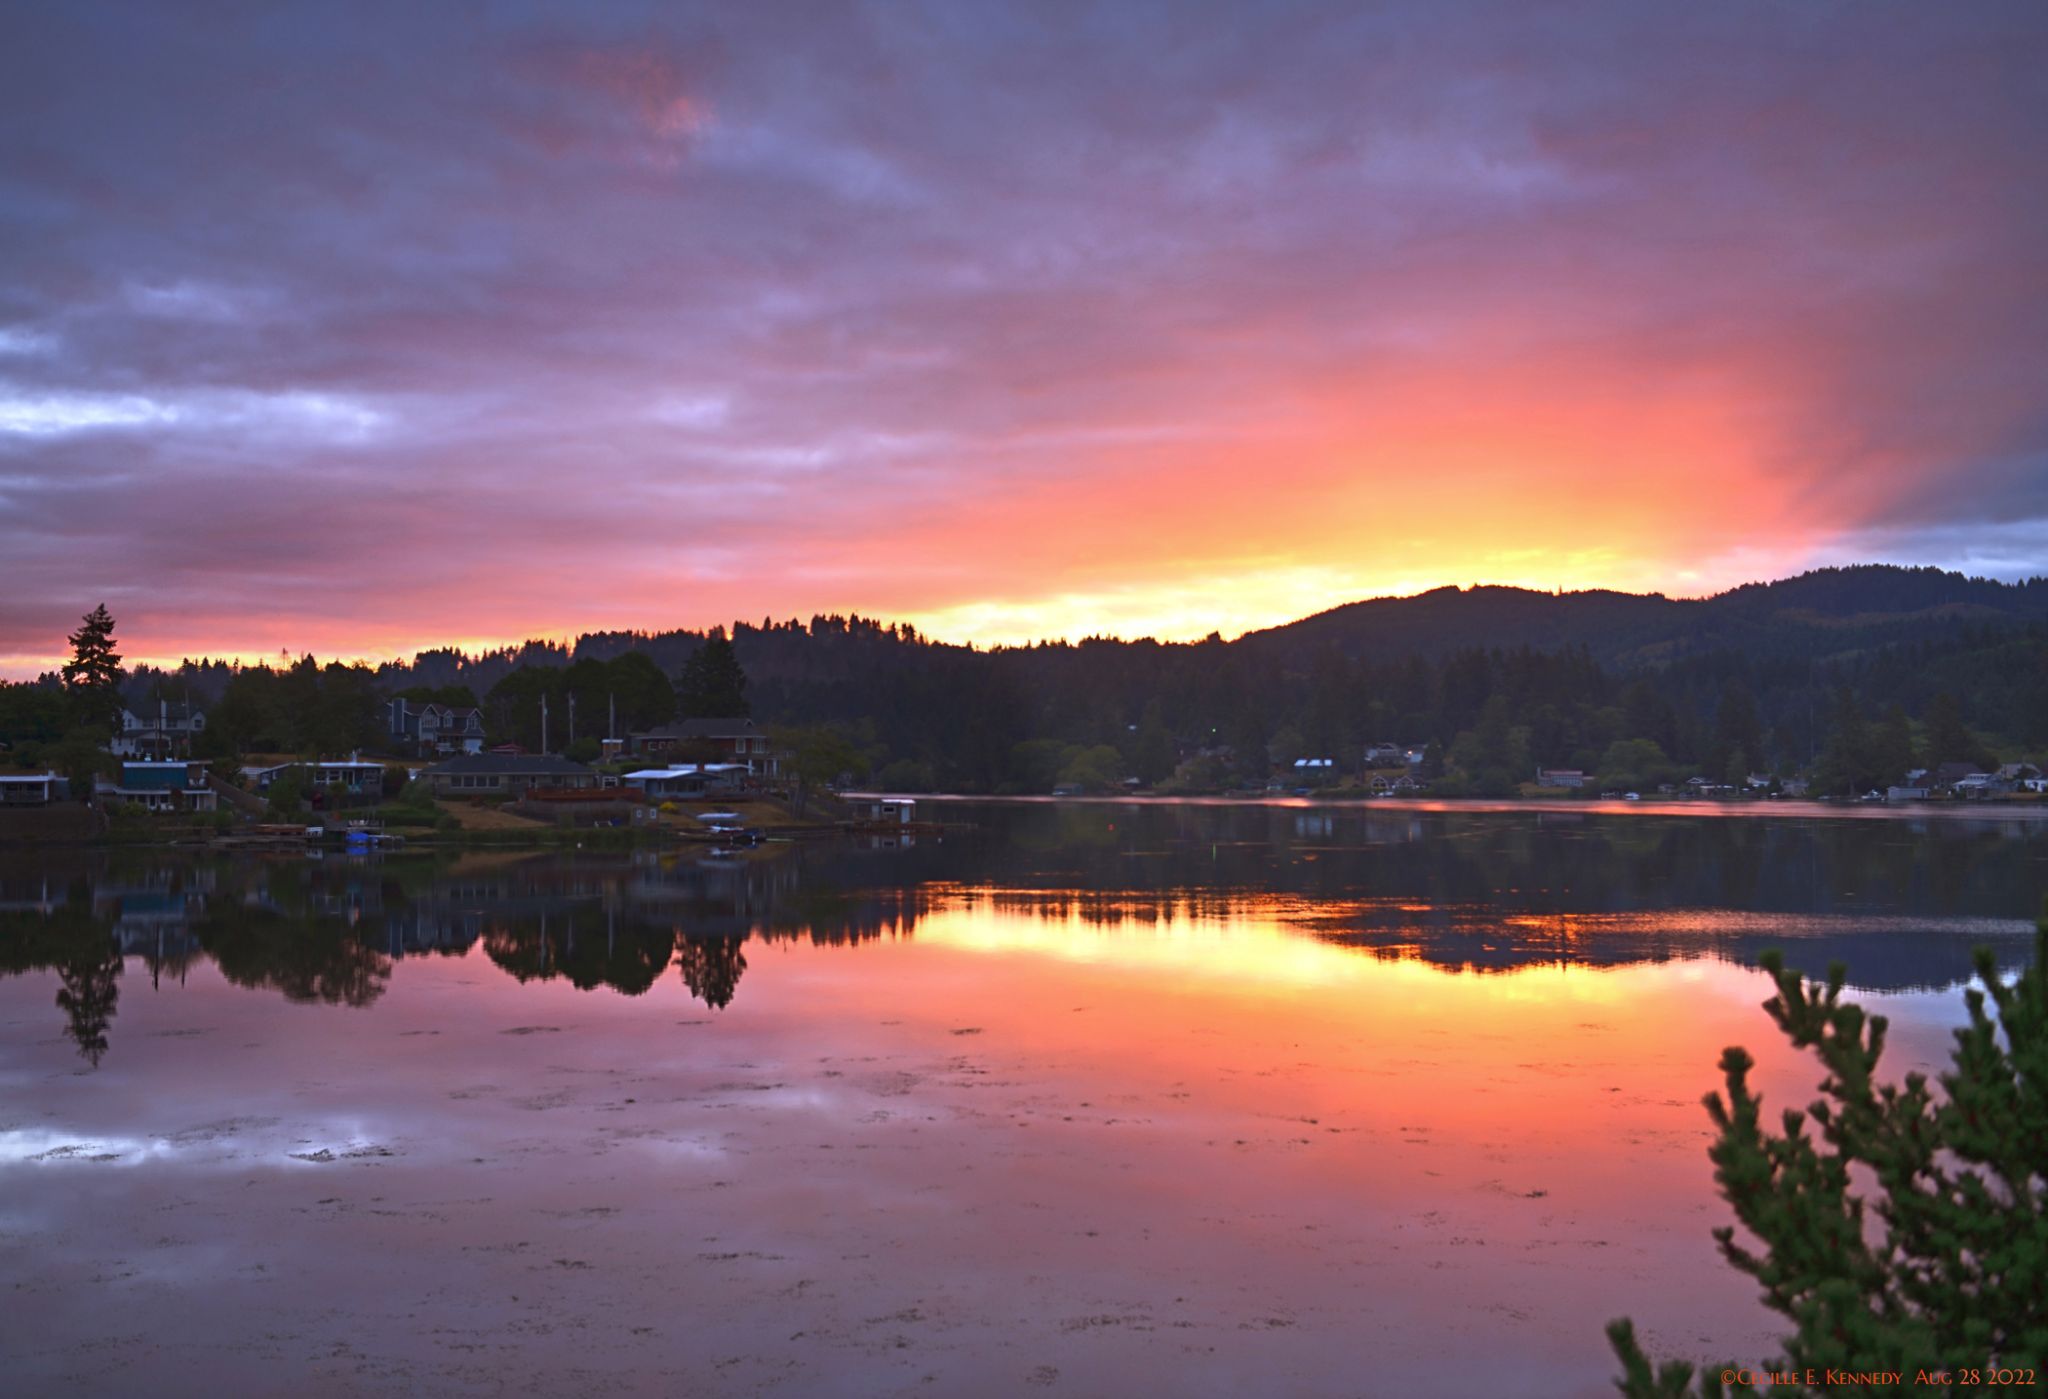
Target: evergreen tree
1948 740
712 685
1951 1259
92 677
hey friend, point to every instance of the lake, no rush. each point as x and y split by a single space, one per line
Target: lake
1089 1099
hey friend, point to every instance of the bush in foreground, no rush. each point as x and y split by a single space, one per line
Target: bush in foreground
1905 1230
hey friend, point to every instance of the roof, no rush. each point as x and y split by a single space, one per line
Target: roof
704 728
506 765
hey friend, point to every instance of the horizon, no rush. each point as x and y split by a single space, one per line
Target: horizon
475 650
362 331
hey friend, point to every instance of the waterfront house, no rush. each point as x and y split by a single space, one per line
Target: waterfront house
429 729
1385 755
29 788
1573 778
504 774
1947 776
352 777
733 740
157 785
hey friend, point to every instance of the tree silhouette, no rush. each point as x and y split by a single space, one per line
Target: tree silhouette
92 677
711 968
712 685
90 992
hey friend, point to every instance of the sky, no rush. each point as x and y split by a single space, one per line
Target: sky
362 328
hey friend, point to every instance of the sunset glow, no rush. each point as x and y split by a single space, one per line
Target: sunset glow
362 338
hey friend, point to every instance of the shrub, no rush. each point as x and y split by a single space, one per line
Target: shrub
1953 1277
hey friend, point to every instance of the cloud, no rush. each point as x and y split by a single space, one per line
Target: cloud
996 317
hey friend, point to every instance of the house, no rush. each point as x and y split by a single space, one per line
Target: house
1948 775
159 736
688 780
354 778
735 740
1385 755
1560 777
436 728
1905 794
1794 787
1984 784
1382 785
159 786
889 811
504 774
1314 769
29 788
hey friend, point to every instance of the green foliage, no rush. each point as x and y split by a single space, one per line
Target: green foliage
1948 739
34 712
1492 758
583 750
1948 1264
306 708
906 775
287 795
1634 765
80 758
92 677
585 693
1095 769
712 685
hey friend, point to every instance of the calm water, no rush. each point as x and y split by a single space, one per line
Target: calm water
1090 1100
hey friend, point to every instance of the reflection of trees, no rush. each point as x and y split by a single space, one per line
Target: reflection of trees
79 946
711 968
585 946
91 990
308 959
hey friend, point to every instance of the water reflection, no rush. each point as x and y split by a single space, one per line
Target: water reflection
1902 903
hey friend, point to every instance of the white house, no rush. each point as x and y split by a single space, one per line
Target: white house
159 736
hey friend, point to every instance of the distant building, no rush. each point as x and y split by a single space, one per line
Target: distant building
734 740
1905 794
159 786
494 774
29 788
1385 755
688 780
1560 777
428 729
896 811
1945 777
161 735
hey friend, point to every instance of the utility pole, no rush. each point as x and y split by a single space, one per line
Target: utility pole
543 723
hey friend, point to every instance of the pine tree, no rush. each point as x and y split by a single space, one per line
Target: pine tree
1957 1265
712 685
92 677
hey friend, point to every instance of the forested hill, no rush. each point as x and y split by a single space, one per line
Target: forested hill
1855 673
1826 613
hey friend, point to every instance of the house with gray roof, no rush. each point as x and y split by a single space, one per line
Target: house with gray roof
504 774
